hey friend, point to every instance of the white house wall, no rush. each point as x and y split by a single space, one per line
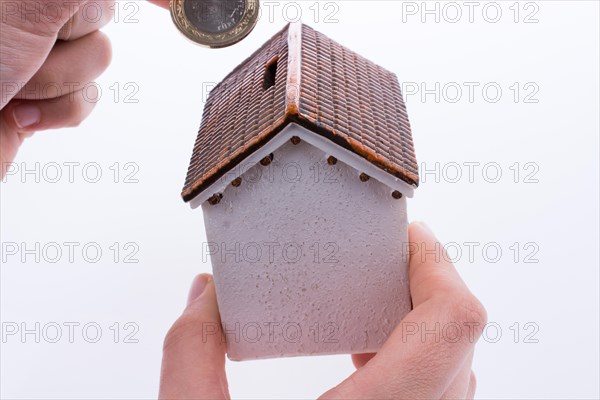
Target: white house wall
307 258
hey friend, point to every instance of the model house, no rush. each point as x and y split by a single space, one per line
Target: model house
302 166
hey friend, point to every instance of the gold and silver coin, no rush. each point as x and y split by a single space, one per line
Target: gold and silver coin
215 23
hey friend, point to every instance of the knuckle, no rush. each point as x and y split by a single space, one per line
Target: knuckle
467 310
39 17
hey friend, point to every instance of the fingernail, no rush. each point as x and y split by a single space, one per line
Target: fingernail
26 115
198 286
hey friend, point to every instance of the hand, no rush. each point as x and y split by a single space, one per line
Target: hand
41 78
408 366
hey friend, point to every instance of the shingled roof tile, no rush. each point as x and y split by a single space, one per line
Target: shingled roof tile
318 84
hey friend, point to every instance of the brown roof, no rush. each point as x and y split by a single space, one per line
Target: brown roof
318 84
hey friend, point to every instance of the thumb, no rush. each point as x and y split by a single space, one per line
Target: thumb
10 140
193 363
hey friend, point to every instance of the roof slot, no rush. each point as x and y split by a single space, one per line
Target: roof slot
270 74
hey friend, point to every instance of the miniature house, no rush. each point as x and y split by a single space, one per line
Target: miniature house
302 166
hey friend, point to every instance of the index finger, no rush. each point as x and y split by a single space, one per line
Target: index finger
160 3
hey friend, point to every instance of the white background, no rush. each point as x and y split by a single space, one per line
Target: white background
554 211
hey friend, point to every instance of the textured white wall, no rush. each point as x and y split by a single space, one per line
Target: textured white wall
307 258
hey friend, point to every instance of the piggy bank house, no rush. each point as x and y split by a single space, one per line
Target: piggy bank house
302 166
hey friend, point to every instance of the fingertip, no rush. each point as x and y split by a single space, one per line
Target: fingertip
360 360
422 242
198 286
194 348
202 299
26 115
420 227
22 117
160 3
431 271
102 47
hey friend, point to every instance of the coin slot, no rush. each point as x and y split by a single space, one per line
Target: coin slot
270 74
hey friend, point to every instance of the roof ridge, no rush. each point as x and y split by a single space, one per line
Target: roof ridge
294 73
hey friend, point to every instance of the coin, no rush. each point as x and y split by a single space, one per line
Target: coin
215 23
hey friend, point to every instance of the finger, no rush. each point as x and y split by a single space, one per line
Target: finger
194 350
41 18
430 273
21 118
29 31
69 67
472 386
459 387
10 141
26 116
424 353
359 360
90 17
160 3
